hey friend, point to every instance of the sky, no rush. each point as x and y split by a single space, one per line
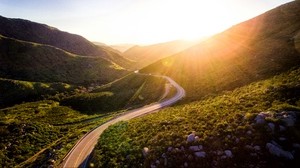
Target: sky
138 21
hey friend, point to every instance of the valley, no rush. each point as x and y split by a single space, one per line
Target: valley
225 100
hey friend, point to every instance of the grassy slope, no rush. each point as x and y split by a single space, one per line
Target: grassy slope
250 51
127 92
214 120
35 62
40 33
15 91
145 55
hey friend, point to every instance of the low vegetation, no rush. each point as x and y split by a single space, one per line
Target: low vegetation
128 92
37 133
224 122
16 91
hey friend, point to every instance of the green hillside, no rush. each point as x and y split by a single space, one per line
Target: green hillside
15 91
131 91
40 134
42 63
253 50
222 123
40 33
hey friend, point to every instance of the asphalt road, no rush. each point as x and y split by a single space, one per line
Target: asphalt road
79 154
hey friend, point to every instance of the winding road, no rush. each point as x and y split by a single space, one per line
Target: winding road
79 154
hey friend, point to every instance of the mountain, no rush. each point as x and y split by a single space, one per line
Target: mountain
40 33
43 63
253 50
145 55
122 47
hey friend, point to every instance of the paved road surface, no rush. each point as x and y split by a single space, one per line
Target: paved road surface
80 153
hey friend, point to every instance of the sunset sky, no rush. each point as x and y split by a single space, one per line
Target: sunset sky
138 21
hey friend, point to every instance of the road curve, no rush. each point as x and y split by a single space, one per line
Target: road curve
79 154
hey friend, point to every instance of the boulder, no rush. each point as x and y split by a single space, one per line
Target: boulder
228 153
191 137
196 148
278 151
271 126
145 151
200 154
289 118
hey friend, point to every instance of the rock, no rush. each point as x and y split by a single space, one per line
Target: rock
185 164
196 138
170 149
165 162
153 166
289 118
182 148
296 145
196 148
223 157
281 128
200 154
249 147
145 151
257 148
191 137
271 126
249 132
164 155
277 151
219 152
228 153
157 162
260 118
237 140
282 138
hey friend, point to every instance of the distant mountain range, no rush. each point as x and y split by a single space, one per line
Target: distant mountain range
145 55
256 49
37 52
40 33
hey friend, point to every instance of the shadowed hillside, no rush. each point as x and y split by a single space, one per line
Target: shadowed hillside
145 55
40 33
250 51
36 62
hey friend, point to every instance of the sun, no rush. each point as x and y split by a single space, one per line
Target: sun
188 19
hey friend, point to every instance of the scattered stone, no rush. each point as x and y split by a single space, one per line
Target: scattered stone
170 149
228 136
249 147
196 148
237 140
196 138
191 137
282 138
253 154
260 118
219 152
157 162
145 151
228 153
257 148
271 126
185 164
223 157
289 118
278 151
153 166
200 154
182 148
249 132
296 145
282 128
164 155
